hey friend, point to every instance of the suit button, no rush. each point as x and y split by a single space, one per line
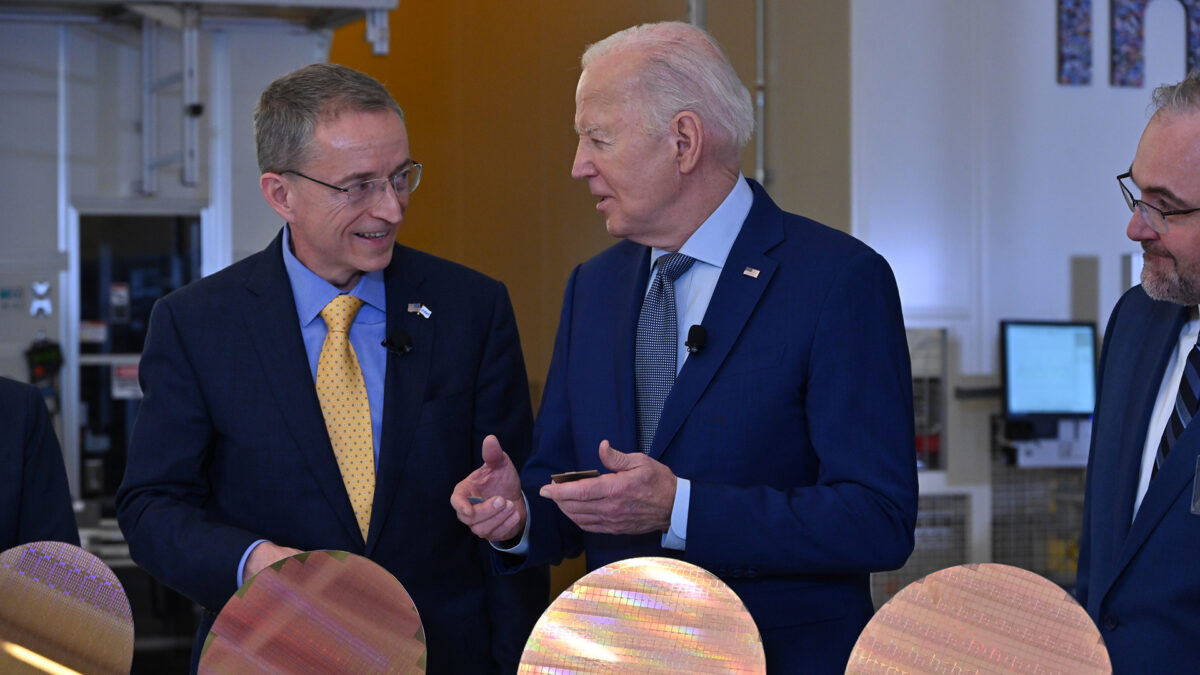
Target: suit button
1109 622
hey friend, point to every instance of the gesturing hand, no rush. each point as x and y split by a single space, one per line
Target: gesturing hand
635 498
500 515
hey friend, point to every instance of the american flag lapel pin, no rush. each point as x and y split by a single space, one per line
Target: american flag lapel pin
750 272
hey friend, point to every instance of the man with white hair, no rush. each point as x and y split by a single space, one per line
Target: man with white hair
1138 576
738 375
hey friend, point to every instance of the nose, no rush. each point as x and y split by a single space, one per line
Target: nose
582 167
392 204
1139 228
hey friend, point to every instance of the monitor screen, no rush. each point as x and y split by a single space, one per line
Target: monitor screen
1048 367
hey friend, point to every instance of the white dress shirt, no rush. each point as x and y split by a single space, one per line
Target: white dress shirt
1165 403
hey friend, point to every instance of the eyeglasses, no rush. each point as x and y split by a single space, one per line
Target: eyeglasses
369 192
1155 217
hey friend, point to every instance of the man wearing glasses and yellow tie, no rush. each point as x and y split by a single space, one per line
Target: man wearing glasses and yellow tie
329 391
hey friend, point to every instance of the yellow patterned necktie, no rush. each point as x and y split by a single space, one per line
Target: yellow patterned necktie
344 405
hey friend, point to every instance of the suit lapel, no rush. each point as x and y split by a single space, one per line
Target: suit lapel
1163 324
404 383
733 300
273 327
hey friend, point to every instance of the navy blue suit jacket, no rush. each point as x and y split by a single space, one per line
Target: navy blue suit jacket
230 446
794 425
1140 578
35 502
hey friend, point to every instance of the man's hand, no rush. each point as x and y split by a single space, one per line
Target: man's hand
265 555
501 514
636 498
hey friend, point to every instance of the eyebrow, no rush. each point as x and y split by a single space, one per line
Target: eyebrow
366 175
1156 190
402 166
595 131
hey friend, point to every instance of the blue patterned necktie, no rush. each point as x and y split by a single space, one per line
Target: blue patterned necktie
1185 408
657 345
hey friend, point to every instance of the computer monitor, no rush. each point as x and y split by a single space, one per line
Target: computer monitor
1048 368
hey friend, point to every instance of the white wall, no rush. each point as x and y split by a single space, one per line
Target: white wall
255 57
976 174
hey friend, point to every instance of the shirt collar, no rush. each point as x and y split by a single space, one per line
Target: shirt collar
713 240
312 293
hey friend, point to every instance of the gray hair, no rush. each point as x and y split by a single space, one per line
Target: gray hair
1183 96
684 69
291 107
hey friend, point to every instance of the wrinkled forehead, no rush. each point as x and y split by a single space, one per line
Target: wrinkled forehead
607 89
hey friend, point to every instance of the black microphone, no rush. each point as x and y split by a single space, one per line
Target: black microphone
398 342
696 339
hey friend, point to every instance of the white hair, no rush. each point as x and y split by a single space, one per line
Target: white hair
683 69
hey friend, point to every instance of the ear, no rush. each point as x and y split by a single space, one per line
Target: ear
278 194
687 132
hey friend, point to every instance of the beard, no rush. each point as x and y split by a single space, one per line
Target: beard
1163 278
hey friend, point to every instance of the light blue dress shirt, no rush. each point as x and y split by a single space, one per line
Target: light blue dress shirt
709 245
367 333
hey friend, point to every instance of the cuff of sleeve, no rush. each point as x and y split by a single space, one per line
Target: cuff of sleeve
676 536
522 547
245 557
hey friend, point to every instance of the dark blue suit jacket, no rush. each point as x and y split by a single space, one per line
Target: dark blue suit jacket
35 502
794 424
1140 578
230 446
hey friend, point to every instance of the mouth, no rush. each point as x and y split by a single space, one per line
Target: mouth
371 236
1151 250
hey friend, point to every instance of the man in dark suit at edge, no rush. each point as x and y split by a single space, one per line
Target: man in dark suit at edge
236 460
782 458
35 501
1138 576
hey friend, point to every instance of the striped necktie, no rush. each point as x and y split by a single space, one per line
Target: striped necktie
343 397
656 350
1186 404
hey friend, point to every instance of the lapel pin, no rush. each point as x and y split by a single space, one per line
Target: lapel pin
750 272
418 308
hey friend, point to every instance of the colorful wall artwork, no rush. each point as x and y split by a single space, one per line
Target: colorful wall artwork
1127 45
1074 41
